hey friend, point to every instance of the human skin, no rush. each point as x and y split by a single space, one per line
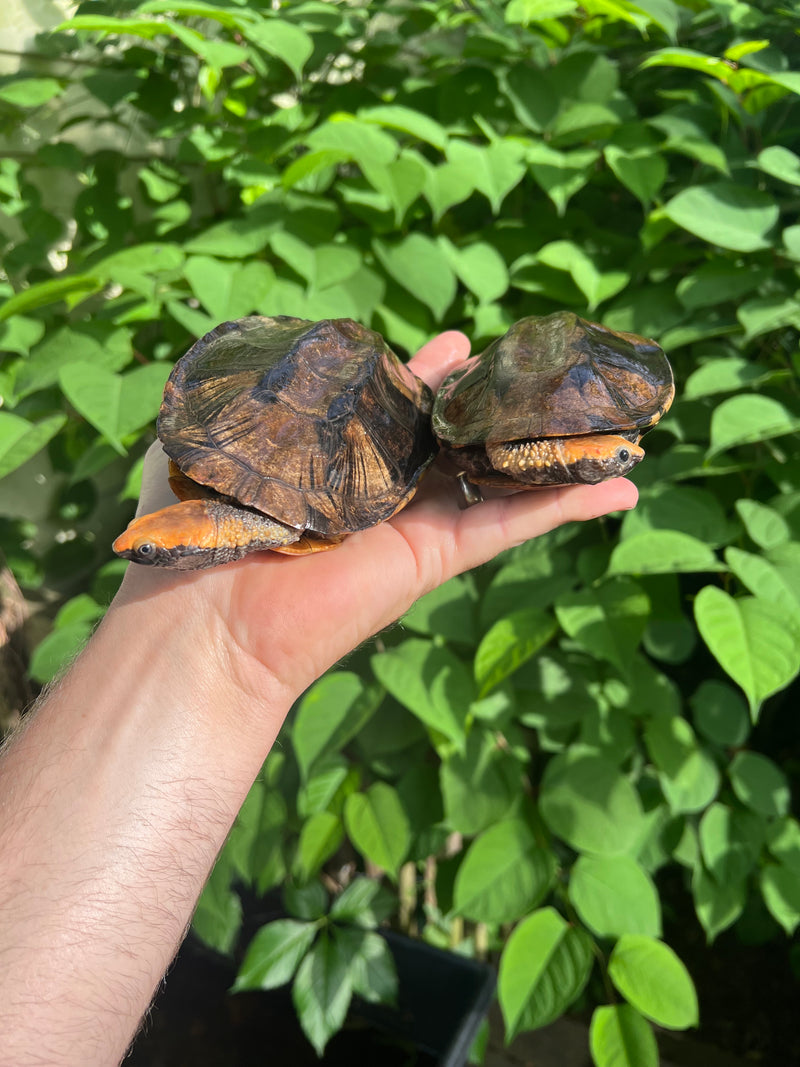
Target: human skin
120 788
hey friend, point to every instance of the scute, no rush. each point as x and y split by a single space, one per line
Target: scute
554 376
319 425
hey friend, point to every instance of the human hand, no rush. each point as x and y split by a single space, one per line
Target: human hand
294 616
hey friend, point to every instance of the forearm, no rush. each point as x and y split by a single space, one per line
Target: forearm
117 796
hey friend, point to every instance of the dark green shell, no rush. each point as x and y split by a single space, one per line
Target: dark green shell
556 376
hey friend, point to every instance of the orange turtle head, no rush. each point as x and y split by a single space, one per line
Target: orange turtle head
171 537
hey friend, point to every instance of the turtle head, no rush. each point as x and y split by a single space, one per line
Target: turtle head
178 536
585 459
202 533
595 458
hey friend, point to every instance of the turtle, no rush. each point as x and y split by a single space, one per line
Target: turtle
283 434
556 400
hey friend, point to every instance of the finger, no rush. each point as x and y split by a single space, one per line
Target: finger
155 491
508 521
474 536
439 356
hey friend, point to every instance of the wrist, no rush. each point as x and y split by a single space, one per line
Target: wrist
171 632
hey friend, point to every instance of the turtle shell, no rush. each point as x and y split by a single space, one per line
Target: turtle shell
317 424
556 376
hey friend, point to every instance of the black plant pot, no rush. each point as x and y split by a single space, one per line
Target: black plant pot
442 1000
195 1022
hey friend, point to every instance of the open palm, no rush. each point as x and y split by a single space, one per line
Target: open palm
297 615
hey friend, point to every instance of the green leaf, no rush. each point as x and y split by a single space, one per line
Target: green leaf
147 28
480 787
608 620
781 163
50 292
764 525
320 837
430 681
780 888
730 842
114 404
759 784
765 314
642 170
544 966
322 990
527 11
717 905
20 439
217 918
783 841
613 895
620 1037
361 141
372 968
588 802
274 954
309 901
448 184
480 267
509 643
364 902
20 335
662 552
720 713
701 289
226 290
725 214
448 610
765 581
652 978
281 39
561 174
749 641
687 509
29 92
318 162
400 181
687 773
57 650
504 874
496 168
65 345
331 712
746 419
323 265
689 59
721 376
323 784
216 54
192 9
235 238
421 267
595 284
378 827
407 120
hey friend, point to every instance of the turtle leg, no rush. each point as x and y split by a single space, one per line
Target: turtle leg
185 489
201 533
307 544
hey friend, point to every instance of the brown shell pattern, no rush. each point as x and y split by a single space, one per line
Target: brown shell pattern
319 425
555 376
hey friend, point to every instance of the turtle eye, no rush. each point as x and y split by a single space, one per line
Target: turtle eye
623 455
146 550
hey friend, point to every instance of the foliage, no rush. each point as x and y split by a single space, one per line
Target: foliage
577 718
